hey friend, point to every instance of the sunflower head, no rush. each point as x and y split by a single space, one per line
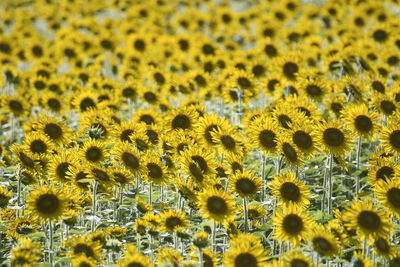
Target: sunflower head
216 204
48 202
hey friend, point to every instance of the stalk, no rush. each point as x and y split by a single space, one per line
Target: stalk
324 184
51 244
18 190
201 263
263 175
121 192
94 206
214 235
359 143
330 184
246 225
150 192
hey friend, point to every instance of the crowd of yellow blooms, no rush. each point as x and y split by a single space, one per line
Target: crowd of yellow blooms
243 133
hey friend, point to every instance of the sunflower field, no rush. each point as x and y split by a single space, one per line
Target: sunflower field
237 133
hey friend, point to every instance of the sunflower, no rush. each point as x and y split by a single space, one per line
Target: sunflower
168 256
82 245
26 253
255 211
154 169
383 247
384 103
305 105
208 124
128 157
388 193
5 196
262 134
83 261
198 163
304 135
120 176
390 137
314 88
102 175
79 175
324 242
285 114
150 95
216 204
170 220
15 105
383 170
335 104
288 66
182 118
359 259
123 131
245 250
360 120
133 258
334 138
245 183
84 101
229 141
244 81
116 231
296 258
26 159
60 165
93 151
129 91
23 226
290 190
48 202
28 177
366 219
141 141
96 120
55 129
292 224
291 154
53 102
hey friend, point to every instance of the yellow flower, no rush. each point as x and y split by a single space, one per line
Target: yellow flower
366 219
48 202
216 204
290 190
292 224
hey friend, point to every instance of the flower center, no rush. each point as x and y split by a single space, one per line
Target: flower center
48 204
333 137
290 191
292 224
369 220
246 259
216 205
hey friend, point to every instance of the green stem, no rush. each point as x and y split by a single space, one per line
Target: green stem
263 175
201 263
246 225
359 143
324 185
51 244
19 189
121 192
330 185
162 193
94 206
150 192
214 235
